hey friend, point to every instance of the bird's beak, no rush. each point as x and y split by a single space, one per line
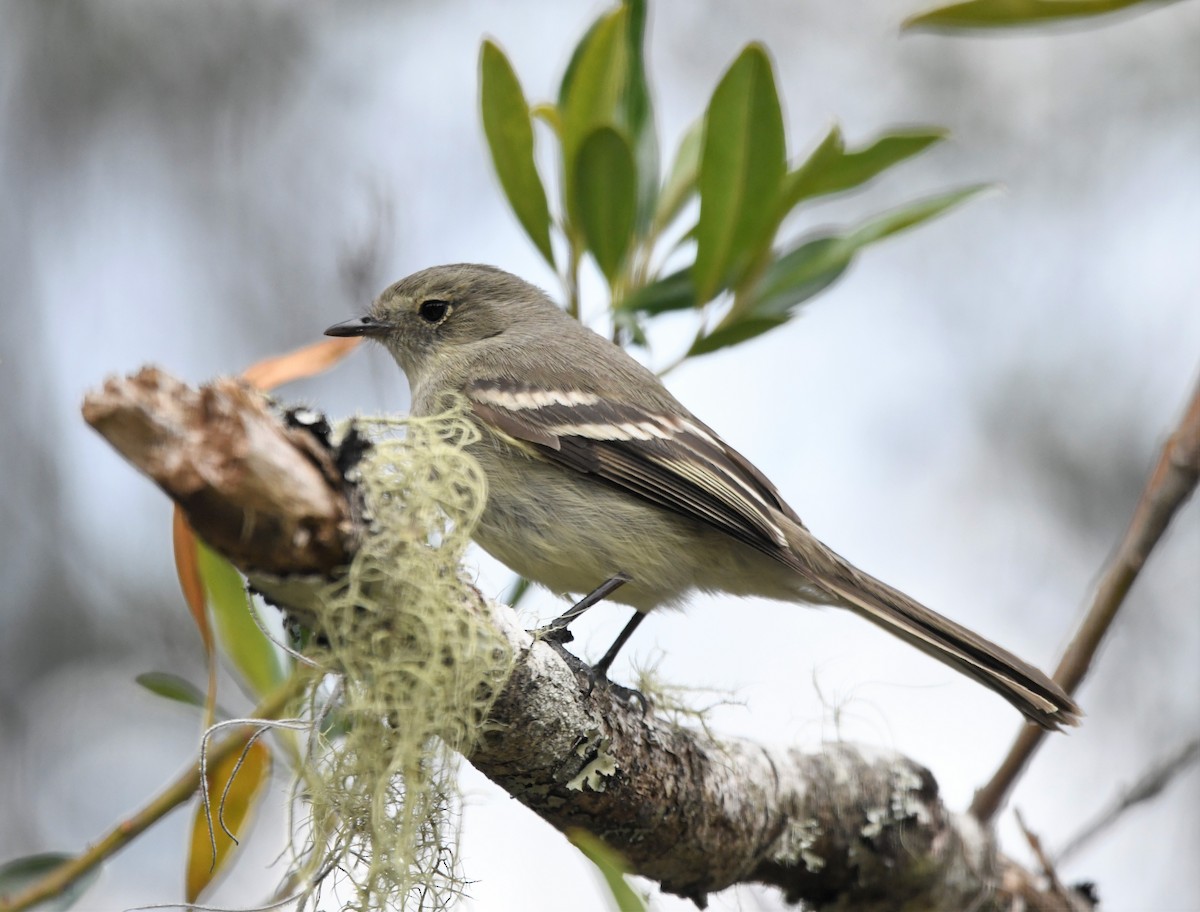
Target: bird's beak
359 326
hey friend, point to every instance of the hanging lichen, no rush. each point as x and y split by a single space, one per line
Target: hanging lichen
413 669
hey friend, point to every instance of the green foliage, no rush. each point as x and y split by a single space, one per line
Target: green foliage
810 268
831 169
612 868
732 267
242 640
741 169
605 184
589 97
172 687
509 129
987 14
22 873
680 185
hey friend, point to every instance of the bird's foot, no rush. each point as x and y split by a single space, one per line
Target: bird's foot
597 676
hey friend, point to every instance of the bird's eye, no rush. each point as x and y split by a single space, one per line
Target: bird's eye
434 311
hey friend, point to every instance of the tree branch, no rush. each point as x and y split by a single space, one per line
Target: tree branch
1170 485
846 826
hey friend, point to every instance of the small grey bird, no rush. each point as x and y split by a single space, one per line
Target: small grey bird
599 479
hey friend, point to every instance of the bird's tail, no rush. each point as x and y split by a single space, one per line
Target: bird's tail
1029 690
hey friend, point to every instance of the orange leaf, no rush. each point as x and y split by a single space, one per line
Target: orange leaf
187 567
230 807
296 365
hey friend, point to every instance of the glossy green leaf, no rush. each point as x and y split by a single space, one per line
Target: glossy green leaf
674 292
22 873
612 867
508 126
812 267
680 185
831 169
800 274
741 331
593 85
741 167
172 686
606 197
235 787
980 14
912 214
636 113
568 79
254 656
590 93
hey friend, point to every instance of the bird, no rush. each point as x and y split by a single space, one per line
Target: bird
601 482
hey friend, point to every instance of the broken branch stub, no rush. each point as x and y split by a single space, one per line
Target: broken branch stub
266 495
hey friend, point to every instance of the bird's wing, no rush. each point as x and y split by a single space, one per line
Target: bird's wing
670 460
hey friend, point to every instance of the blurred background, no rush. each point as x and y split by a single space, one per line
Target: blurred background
969 414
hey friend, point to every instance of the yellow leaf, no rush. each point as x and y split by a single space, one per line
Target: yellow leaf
230 808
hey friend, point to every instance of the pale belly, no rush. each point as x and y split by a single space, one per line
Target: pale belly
576 531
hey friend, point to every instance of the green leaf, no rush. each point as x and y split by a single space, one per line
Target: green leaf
831 169
912 214
592 88
979 14
22 873
741 331
680 185
799 275
568 79
741 167
253 655
172 686
612 867
674 292
606 197
636 112
812 267
508 126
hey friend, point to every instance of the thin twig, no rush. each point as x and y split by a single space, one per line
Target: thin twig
1069 902
1148 785
1035 844
1171 483
175 794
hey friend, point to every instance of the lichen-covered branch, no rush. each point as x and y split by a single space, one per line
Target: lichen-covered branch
840 827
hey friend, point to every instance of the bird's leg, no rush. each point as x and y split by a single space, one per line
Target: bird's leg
555 629
601 667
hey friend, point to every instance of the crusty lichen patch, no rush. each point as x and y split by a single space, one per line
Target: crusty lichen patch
798 842
600 767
